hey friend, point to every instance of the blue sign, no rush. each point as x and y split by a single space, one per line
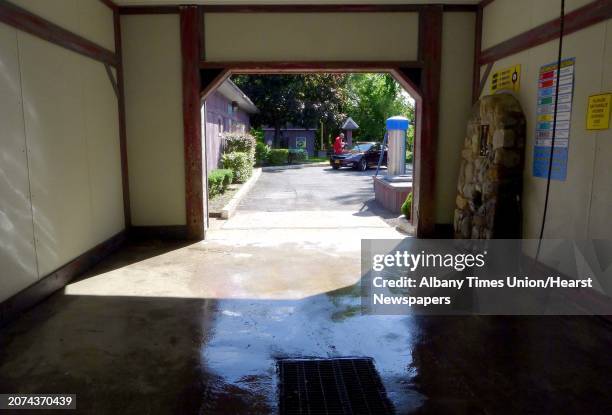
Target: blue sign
545 120
541 161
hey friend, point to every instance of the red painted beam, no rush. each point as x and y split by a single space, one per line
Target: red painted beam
310 66
28 22
578 19
312 8
211 80
125 181
47 285
462 8
194 173
149 10
430 51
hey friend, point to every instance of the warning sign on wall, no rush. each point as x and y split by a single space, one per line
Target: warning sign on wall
547 88
508 79
598 114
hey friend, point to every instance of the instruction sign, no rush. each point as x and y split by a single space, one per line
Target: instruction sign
508 79
598 114
547 99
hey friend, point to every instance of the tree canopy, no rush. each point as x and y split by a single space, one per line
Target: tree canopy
374 98
328 99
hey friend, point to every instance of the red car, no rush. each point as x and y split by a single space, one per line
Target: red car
360 156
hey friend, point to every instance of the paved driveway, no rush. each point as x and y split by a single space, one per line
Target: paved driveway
310 205
310 188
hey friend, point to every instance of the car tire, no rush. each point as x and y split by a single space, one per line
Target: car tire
363 165
335 166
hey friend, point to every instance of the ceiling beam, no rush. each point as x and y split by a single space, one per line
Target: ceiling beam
244 67
594 12
22 19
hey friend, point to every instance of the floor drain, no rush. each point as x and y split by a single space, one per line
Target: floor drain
331 386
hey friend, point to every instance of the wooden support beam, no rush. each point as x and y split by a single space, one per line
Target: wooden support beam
190 19
125 179
211 79
483 81
312 8
583 17
22 19
149 10
22 301
310 66
430 52
111 79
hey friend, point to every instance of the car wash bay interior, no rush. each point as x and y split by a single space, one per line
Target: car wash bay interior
101 145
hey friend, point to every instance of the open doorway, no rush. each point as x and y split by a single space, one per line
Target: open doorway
295 117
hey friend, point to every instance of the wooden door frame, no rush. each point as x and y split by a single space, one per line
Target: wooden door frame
408 74
421 78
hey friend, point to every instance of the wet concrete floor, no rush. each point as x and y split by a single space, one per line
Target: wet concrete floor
197 328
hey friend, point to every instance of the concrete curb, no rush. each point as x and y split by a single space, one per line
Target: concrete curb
404 225
229 209
295 166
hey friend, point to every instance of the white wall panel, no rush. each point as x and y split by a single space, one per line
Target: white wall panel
57 151
96 23
580 206
600 222
311 36
455 107
100 112
17 255
154 118
90 19
504 19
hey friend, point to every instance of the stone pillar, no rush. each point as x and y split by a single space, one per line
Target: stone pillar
490 183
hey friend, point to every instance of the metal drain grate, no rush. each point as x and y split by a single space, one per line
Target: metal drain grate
331 386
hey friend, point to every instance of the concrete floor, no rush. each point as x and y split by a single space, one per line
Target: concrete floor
172 328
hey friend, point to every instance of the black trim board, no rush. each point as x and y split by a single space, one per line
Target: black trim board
43 288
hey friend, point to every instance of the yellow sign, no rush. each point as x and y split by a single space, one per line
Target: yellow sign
598 114
508 79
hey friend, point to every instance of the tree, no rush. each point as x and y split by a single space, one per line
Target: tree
375 97
315 99
276 97
301 100
326 101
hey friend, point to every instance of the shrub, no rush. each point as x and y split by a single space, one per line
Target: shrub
278 156
262 154
240 163
218 181
297 155
409 156
240 143
258 133
407 206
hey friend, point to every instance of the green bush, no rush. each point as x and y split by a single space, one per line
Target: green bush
262 154
240 143
409 156
297 155
240 163
258 133
228 177
278 156
218 181
407 206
